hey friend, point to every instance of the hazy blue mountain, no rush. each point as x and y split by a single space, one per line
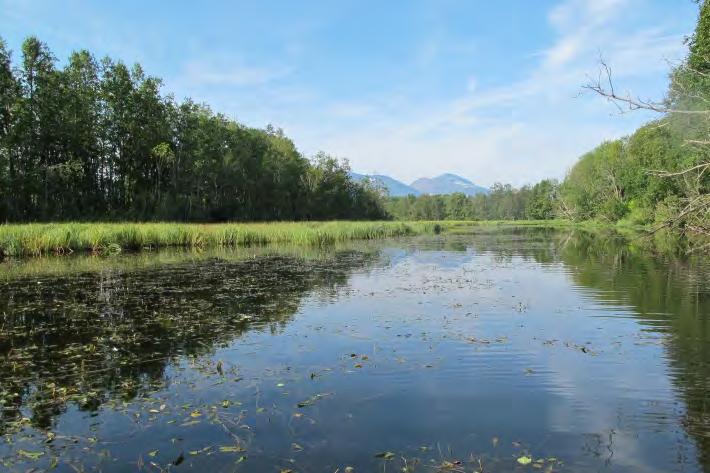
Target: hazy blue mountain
444 184
447 184
393 186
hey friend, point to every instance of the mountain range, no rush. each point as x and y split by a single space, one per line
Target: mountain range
444 184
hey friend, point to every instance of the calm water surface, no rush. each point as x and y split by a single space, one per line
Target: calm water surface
506 350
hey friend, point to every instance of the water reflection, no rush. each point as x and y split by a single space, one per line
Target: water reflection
669 295
503 349
90 336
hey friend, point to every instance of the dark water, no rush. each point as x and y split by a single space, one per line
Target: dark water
506 350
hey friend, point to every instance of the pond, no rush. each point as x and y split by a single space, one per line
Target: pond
508 349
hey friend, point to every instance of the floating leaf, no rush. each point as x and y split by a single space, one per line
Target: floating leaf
524 460
385 455
447 465
311 400
32 455
231 448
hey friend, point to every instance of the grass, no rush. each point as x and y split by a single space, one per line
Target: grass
557 223
37 239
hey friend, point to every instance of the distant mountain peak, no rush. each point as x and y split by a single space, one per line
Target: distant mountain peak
447 183
394 187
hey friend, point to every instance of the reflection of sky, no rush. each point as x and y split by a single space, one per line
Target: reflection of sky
453 346
613 395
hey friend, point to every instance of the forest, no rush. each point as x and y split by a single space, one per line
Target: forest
97 140
503 202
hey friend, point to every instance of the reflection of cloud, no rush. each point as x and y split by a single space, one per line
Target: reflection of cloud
575 399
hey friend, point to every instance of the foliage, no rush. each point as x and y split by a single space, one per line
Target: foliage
98 140
62 238
660 175
503 202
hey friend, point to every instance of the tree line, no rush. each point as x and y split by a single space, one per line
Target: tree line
96 139
658 176
503 202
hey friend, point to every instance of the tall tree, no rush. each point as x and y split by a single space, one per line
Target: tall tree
9 92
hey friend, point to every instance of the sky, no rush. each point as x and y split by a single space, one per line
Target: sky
489 90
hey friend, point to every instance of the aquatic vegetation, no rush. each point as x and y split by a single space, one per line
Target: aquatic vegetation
110 238
406 355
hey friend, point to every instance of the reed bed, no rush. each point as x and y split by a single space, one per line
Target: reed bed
37 239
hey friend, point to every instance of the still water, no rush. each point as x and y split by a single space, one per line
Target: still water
503 350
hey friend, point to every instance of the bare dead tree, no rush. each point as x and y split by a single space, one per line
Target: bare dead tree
694 214
604 85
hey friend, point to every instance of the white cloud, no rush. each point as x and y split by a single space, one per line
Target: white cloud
229 73
523 131
570 14
471 84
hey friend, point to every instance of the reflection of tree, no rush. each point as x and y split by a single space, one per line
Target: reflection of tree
92 337
505 242
668 295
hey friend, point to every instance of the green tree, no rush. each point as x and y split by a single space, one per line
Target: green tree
541 204
9 94
98 140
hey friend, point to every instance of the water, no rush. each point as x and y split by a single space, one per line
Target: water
501 350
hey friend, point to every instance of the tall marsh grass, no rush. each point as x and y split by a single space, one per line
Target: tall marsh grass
36 239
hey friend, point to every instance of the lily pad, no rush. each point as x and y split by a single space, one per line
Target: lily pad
524 460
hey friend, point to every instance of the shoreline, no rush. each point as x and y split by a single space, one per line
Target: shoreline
41 239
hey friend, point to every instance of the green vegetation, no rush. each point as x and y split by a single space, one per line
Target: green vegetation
62 238
502 203
657 177
96 140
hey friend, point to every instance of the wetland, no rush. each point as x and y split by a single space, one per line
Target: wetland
492 349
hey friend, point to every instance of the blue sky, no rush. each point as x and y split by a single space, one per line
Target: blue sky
486 89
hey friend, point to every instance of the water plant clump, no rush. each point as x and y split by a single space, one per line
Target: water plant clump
111 238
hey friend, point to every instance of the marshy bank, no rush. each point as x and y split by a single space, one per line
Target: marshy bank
512 348
37 239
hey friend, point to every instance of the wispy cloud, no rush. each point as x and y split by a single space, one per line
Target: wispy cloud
229 72
431 94
531 128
